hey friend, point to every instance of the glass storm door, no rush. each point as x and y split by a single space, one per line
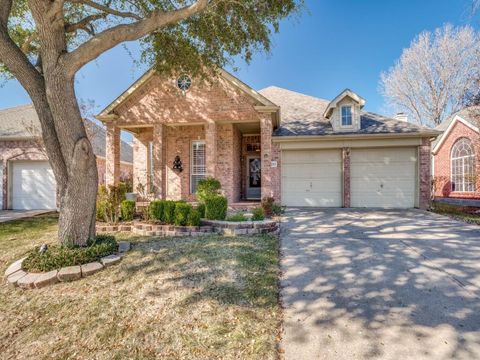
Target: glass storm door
254 178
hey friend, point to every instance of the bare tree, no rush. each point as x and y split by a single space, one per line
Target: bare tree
43 44
435 75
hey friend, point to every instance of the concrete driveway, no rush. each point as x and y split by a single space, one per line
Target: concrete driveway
10 215
361 284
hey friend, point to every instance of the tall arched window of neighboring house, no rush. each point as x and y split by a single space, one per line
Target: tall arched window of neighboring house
463 166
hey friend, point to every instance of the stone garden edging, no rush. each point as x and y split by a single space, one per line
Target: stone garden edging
208 227
15 275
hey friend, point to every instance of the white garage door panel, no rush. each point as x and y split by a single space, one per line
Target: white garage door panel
312 178
33 186
383 177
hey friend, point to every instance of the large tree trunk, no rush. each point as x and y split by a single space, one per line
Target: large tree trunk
78 194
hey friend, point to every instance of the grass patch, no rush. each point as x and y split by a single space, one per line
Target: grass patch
173 298
463 213
237 217
56 256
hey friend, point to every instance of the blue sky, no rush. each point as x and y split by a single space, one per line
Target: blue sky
332 46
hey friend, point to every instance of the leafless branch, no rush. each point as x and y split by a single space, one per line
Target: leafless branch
107 9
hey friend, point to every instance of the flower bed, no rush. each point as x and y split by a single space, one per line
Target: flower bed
207 227
17 275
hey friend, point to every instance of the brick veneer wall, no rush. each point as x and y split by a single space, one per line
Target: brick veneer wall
425 176
442 166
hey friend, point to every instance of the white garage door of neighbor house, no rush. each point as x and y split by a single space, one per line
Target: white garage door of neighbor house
33 186
383 178
312 178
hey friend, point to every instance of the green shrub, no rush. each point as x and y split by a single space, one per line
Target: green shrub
155 210
270 207
58 256
109 202
238 217
216 207
201 209
169 212
128 210
182 211
258 214
206 188
101 210
193 218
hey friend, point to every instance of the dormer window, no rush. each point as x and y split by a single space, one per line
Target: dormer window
346 115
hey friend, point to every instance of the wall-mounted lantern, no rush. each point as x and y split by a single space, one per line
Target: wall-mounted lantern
177 164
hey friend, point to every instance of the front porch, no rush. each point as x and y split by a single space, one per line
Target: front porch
169 160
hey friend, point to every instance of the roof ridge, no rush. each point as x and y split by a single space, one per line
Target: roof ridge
292 91
16 107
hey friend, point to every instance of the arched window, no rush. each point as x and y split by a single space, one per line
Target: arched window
463 166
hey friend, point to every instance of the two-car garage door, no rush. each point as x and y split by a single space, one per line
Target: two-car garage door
33 185
381 177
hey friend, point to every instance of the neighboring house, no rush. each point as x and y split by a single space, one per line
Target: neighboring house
456 157
301 150
26 179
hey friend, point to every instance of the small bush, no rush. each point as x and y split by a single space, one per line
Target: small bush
238 217
155 210
182 211
58 256
101 209
193 218
206 188
169 212
109 202
216 207
258 214
128 210
201 209
270 207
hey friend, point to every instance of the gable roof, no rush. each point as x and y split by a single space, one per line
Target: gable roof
304 115
109 112
345 93
22 122
469 116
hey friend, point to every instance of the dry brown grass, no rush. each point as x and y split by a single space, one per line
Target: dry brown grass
209 298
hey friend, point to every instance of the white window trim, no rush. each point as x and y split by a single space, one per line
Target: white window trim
192 174
352 111
463 158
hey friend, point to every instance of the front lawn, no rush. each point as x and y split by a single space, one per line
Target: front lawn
172 298
463 213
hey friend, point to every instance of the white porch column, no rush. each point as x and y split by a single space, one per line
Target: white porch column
211 148
158 157
112 156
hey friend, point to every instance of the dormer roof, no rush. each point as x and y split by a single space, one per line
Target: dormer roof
345 93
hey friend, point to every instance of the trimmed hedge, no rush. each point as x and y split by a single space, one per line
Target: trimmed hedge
58 256
168 216
127 210
193 218
216 207
201 209
155 210
207 187
182 211
258 214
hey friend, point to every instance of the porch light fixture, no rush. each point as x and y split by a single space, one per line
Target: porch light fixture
177 164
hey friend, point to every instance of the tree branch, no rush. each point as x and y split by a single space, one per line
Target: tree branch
107 10
84 24
108 39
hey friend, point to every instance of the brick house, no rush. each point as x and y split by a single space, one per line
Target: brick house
301 150
26 179
456 157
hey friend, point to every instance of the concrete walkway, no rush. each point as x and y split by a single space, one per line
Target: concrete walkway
363 284
9 215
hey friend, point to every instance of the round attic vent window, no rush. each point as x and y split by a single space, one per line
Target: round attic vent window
184 82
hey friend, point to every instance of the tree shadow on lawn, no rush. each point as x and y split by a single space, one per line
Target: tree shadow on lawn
383 283
232 271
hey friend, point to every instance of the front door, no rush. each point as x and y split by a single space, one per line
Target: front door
254 178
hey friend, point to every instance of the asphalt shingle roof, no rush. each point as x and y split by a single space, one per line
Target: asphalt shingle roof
22 122
302 115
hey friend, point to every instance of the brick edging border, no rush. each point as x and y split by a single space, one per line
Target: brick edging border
16 276
209 227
